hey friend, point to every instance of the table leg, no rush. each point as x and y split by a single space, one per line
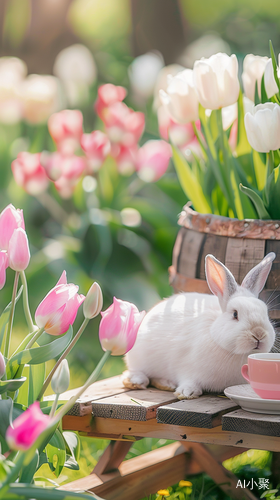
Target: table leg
213 467
112 457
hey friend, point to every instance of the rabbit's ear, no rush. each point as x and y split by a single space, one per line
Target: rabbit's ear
256 278
220 280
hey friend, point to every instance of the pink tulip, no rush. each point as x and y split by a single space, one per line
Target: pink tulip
108 94
3 266
10 219
123 125
125 158
97 147
18 251
179 135
26 428
29 173
52 163
72 168
58 310
66 129
119 327
153 159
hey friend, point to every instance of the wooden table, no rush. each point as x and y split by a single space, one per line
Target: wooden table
206 431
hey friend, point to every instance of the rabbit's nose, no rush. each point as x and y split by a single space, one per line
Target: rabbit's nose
258 332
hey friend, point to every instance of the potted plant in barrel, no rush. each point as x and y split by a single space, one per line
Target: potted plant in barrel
231 177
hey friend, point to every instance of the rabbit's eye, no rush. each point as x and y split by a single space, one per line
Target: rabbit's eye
235 314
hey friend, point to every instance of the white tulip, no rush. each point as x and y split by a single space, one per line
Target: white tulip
76 68
143 73
263 127
253 70
12 72
180 97
41 96
61 378
270 84
230 113
216 80
162 81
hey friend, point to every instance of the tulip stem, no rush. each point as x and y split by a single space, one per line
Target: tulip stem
35 337
26 308
11 318
62 357
54 406
13 474
269 164
92 378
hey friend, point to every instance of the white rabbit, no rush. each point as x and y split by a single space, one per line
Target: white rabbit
196 342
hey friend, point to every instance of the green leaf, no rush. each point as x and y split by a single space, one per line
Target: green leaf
11 385
260 170
29 470
73 443
38 355
56 452
272 190
243 147
26 492
189 183
206 132
264 97
36 379
4 318
274 64
257 201
257 98
8 412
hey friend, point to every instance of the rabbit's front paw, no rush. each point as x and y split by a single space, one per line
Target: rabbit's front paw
134 380
188 391
163 384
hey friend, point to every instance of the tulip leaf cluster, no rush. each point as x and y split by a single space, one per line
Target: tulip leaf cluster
236 171
30 427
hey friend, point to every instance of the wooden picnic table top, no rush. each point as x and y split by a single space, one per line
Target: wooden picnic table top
109 410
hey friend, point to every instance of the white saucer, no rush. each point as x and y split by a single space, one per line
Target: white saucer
245 397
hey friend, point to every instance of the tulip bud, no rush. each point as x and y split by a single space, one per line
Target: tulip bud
180 97
143 73
18 251
119 326
253 70
97 147
61 378
93 302
27 428
10 219
216 80
270 84
2 365
153 159
3 266
29 173
263 127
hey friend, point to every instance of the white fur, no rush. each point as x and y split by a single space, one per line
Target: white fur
187 342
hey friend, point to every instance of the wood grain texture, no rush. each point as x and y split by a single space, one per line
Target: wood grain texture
98 390
255 229
242 255
189 253
181 283
205 412
131 430
140 476
177 246
132 405
215 245
252 423
112 457
273 280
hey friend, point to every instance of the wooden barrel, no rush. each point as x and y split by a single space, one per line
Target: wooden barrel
239 244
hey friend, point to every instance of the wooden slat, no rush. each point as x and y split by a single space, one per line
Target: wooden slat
242 255
215 245
140 476
132 405
205 412
177 246
98 390
273 280
129 430
252 423
189 254
181 283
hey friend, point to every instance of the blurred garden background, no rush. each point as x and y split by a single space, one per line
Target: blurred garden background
115 226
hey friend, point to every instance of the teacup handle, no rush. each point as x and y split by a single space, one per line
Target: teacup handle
244 372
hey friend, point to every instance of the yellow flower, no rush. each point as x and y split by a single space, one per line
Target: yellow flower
164 493
184 483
